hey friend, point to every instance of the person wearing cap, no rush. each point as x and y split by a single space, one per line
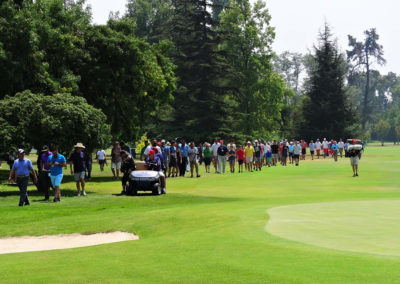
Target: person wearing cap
257 155
56 163
318 146
116 159
78 167
222 155
128 165
325 146
192 153
291 146
165 150
44 172
20 172
125 147
173 159
355 156
296 152
214 150
312 149
341 147
335 149
249 153
154 163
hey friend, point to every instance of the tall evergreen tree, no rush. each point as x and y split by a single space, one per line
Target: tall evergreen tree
326 110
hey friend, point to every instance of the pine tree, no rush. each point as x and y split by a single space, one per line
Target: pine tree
327 112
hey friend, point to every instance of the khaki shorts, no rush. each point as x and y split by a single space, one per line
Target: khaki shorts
354 160
249 160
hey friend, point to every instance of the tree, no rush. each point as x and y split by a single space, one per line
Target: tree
361 56
327 112
291 65
259 91
33 120
382 128
125 77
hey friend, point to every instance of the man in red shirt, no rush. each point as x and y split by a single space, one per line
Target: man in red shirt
240 158
303 149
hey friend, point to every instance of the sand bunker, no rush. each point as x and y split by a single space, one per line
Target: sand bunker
27 243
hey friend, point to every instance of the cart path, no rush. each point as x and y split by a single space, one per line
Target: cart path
53 242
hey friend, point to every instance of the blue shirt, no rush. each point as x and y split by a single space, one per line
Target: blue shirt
155 164
312 146
56 170
291 148
334 147
165 151
184 150
23 167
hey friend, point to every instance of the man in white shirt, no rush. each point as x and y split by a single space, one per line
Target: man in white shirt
214 152
325 146
341 147
318 147
101 158
151 146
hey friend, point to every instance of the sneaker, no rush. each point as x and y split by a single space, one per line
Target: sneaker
79 193
55 199
356 174
84 193
198 176
21 204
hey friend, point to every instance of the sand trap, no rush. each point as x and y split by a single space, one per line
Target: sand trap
27 243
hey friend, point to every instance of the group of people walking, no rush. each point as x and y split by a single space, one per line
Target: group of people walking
172 159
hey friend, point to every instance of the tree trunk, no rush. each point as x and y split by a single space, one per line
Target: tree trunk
366 94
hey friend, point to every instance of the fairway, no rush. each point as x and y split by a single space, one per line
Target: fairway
308 224
363 226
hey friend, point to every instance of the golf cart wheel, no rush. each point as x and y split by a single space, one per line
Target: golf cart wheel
157 189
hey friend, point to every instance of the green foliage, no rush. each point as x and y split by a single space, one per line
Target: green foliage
382 128
33 120
140 144
327 112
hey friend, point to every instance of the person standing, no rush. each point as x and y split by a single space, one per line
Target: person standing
285 152
125 147
44 172
20 172
200 153
335 149
101 158
325 146
291 146
142 155
88 164
173 160
249 153
222 155
116 160
275 153
240 157
303 149
232 158
312 149
341 147
192 153
318 146
257 155
128 165
165 149
296 152
77 163
184 148
207 153
214 149
354 153
56 163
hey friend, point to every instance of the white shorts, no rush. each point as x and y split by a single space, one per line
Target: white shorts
249 160
354 160
116 165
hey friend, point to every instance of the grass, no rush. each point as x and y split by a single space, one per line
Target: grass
207 230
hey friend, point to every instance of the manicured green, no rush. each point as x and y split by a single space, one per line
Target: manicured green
207 230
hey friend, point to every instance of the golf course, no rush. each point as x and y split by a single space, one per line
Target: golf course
309 224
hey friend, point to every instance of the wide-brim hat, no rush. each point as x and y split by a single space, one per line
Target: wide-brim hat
45 149
79 145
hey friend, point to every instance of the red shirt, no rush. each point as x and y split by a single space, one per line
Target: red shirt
304 146
240 154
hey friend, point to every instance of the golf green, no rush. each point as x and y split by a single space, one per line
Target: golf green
358 226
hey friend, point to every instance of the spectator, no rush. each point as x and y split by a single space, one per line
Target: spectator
192 153
77 162
241 158
184 158
20 171
101 158
116 160
128 165
44 172
207 154
222 154
232 158
154 164
56 162
173 159
214 149
165 153
249 153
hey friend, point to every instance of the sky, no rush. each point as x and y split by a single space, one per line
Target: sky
297 23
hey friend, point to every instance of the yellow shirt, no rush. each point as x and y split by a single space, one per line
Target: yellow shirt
249 151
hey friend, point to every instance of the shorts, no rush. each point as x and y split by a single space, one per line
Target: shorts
269 159
275 156
240 162
290 154
303 151
173 163
207 161
312 152
326 150
193 163
318 151
231 160
284 155
354 160
116 165
79 176
56 180
257 159
215 158
166 163
102 162
296 156
249 160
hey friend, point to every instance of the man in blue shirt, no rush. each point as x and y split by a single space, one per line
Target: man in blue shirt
184 158
20 171
165 152
56 162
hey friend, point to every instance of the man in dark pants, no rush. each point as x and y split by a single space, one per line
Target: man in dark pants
20 171
184 158
44 172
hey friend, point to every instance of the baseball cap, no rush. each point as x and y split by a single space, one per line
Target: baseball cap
151 152
21 151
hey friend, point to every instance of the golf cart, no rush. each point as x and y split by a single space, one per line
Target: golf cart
144 180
